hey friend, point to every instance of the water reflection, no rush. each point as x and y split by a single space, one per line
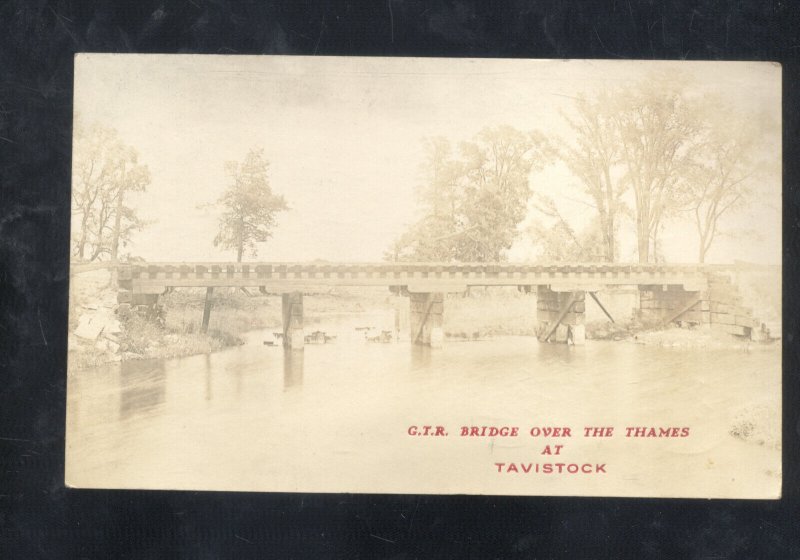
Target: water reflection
143 386
293 368
559 353
209 390
260 417
420 357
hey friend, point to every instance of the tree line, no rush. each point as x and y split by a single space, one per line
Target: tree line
651 154
642 156
106 171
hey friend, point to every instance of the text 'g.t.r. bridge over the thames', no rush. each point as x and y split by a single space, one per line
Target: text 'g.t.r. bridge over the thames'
698 293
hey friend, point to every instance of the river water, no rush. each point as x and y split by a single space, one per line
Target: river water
335 418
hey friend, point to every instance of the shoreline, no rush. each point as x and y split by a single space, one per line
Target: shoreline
163 344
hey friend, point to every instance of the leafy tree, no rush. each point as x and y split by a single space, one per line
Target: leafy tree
658 127
559 242
473 203
724 176
104 171
250 206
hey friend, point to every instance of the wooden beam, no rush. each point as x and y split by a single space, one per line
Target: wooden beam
692 302
207 309
428 306
597 301
420 288
294 282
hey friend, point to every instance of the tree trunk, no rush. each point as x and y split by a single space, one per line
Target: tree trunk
609 238
611 212
703 249
82 240
82 246
643 242
240 240
117 227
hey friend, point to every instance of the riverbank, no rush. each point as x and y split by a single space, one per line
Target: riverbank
99 333
695 338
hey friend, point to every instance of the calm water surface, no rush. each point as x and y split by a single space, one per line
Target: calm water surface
334 417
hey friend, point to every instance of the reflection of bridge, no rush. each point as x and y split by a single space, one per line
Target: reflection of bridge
691 293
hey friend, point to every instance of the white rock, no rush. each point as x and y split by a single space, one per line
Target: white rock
89 327
111 326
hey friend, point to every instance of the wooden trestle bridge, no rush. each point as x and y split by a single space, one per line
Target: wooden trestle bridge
669 292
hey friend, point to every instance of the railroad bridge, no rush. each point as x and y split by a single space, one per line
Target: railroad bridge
699 294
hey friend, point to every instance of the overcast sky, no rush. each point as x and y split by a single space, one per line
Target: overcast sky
343 136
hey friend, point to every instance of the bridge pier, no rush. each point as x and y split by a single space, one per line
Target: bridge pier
561 315
661 305
719 306
292 312
426 318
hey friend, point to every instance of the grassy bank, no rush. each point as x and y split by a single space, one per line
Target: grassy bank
506 311
234 312
179 333
493 312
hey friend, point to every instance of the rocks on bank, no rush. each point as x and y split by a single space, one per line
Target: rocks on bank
102 331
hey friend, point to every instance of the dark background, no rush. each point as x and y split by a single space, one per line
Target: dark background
40 518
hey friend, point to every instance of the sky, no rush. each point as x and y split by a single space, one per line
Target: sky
343 136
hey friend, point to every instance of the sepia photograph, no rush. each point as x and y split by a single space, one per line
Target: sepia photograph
425 276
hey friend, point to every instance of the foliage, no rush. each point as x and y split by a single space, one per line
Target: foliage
673 151
593 156
250 206
658 127
559 242
472 203
104 171
722 178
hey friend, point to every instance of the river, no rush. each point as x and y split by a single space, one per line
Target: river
335 418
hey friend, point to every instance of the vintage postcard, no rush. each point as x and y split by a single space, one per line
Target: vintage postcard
409 275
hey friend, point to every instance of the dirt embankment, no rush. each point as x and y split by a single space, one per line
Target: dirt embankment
94 330
99 332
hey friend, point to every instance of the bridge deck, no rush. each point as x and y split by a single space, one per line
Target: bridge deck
154 277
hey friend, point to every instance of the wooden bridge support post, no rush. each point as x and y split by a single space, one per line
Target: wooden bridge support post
292 311
561 315
426 318
207 309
